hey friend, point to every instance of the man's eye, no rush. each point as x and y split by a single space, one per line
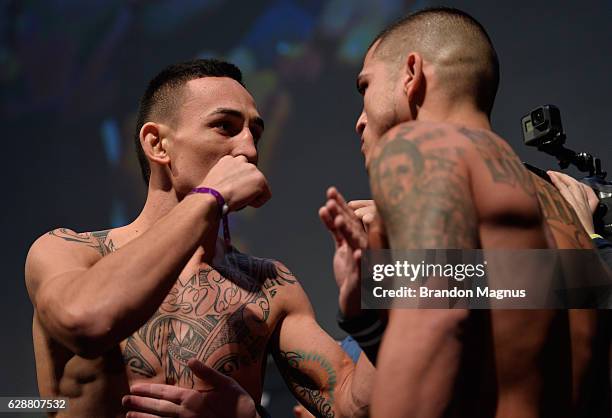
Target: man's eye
224 127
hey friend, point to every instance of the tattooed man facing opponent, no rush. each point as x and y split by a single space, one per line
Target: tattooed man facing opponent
442 179
159 306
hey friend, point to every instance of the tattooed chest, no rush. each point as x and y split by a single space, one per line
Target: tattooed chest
224 323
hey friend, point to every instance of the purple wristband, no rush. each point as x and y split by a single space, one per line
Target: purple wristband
218 196
223 209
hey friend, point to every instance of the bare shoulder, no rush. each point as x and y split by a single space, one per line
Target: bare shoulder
99 241
493 158
424 151
421 184
66 242
274 278
63 249
423 134
293 292
505 194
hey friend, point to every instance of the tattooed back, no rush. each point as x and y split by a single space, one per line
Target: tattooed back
445 186
222 313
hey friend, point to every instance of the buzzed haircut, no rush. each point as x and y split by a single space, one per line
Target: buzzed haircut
163 95
456 43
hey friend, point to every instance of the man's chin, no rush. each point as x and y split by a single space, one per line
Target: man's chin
366 161
367 156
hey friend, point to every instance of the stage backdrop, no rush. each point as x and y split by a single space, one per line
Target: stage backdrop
71 74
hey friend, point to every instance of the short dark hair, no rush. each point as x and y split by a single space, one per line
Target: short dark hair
160 99
430 28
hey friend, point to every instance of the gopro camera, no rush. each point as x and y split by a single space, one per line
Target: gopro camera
542 127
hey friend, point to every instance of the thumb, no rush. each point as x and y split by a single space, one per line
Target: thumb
208 374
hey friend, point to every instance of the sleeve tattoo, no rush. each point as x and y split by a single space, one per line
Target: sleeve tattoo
318 396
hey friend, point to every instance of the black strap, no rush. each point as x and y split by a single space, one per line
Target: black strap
367 329
262 412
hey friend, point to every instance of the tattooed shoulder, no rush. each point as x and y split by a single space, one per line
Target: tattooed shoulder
502 163
270 274
97 240
284 276
421 186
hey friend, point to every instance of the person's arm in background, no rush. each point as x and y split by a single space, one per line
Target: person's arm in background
584 201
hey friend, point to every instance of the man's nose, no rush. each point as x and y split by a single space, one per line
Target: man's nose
361 124
246 146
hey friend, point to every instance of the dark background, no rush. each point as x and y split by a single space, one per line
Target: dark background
71 74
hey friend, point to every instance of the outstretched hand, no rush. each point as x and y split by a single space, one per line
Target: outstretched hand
350 239
365 210
219 396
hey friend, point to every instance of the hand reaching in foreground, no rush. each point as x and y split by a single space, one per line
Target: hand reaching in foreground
351 240
220 397
367 212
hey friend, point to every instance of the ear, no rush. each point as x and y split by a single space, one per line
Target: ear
154 143
414 80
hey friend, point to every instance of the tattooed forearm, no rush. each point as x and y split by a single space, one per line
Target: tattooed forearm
97 240
423 195
312 379
554 207
560 216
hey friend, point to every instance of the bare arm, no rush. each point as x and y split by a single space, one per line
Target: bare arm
421 188
581 197
90 303
319 373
